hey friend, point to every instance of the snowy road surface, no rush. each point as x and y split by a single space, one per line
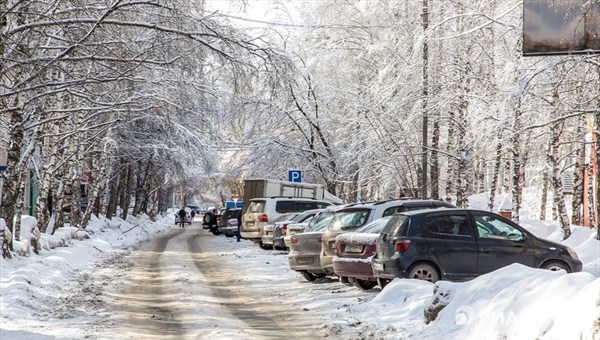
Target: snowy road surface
185 285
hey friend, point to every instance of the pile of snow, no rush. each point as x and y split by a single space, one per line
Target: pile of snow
514 302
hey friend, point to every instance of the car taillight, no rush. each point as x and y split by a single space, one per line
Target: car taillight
293 240
284 227
373 249
402 246
263 218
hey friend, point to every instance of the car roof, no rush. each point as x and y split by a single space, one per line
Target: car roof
444 209
283 198
374 205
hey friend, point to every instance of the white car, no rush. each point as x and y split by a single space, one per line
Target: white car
264 210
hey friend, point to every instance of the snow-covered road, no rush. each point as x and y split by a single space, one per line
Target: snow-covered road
184 284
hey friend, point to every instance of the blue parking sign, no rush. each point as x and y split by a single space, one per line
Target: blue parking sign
295 176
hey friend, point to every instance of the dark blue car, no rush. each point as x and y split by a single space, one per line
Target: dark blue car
460 244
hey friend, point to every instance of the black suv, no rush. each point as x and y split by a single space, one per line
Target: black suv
460 244
228 221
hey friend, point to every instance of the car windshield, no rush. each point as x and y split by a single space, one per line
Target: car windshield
349 219
374 227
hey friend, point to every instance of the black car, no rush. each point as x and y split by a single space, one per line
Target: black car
460 244
228 221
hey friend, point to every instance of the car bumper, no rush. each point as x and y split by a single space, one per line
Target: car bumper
279 242
305 262
327 263
387 269
251 234
358 268
228 230
267 239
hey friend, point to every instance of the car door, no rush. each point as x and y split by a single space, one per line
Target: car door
451 242
500 243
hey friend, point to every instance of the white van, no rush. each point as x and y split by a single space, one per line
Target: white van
262 210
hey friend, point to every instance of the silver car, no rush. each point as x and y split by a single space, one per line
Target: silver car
305 247
267 229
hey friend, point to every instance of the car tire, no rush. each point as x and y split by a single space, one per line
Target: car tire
382 282
265 246
423 271
364 284
556 266
209 218
311 276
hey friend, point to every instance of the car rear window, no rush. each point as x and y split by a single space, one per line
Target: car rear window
349 219
320 221
397 226
375 226
231 214
256 207
283 207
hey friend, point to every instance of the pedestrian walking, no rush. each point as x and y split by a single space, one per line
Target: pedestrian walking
193 214
182 214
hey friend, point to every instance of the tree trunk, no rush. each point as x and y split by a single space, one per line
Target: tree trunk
97 187
544 198
126 196
434 176
559 197
450 167
495 174
10 189
141 189
517 166
579 173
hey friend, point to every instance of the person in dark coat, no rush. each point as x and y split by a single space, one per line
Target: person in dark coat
193 214
182 215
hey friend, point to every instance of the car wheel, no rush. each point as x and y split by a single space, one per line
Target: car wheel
265 246
423 271
556 266
364 284
382 282
311 276
208 218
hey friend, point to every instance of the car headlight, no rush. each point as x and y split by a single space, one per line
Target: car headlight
572 253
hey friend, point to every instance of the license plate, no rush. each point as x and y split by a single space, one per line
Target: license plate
377 266
250 224
353 248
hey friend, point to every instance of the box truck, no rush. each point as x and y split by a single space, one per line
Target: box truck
257 188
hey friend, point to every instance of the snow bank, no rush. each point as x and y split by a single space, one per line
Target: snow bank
30 282
515 302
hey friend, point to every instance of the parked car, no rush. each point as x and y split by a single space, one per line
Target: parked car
188 218
280 228
227 222
305 247
353 252
355 216
263 210
267 231
194 208
460 244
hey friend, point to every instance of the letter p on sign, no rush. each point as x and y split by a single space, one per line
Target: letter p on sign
295 176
